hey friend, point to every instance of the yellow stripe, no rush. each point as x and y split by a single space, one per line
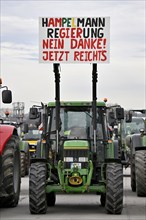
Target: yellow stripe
31 150
32 142
76 148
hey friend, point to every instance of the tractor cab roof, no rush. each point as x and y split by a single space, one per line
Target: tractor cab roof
77 103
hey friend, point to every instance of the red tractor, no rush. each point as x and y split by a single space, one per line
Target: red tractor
10 175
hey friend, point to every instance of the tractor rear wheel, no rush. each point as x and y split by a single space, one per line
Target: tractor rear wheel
51 199
27 162
133 182
140 166
23 163
37 184
114 188
11 173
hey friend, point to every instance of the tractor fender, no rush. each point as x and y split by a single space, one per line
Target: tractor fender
135 142
6 131
116 149
128 140
24 146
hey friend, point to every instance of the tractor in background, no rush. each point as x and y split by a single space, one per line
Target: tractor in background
135 138
32 135
75 153
29 136
10 172
118 133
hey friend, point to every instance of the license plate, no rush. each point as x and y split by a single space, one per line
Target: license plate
73 165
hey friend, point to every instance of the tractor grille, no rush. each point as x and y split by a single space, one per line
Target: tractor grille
32 150
76 156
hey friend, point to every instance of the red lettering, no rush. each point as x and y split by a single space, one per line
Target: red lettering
58 22
99 43
66 53
51 22
45 55
73 43
51 56
55 55
61 55
104 55
79 33
45 44
76 55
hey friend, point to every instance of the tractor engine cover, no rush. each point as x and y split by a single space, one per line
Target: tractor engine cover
76 154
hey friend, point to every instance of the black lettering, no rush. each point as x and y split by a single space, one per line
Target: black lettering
101 22
88 22
86 32
100 33
56 33
50 32
45 22
80 21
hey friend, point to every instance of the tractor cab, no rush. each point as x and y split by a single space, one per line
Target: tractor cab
76 121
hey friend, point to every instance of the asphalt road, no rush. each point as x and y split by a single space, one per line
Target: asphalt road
78 207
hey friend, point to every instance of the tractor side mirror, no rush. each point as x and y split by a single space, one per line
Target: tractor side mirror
128 117
33 113
111 118
6 96
119 113
38 121
25 128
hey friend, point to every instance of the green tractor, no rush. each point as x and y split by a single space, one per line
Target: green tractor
29 136
24 154
75 153
28 143
118 133
135 132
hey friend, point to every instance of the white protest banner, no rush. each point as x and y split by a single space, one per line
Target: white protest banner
74 40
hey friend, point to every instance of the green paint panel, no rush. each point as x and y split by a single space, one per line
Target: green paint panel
110 151
22 145
76 143
81 103
144 140
80 189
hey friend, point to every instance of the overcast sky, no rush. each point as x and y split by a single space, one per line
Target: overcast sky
122 81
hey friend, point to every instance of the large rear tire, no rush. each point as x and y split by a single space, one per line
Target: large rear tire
37 184
140 166
11 173
114 188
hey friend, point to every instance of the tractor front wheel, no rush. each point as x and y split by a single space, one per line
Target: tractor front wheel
114 188
37 184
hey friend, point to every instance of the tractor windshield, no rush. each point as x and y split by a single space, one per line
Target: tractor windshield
77 123
32 135
135 126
